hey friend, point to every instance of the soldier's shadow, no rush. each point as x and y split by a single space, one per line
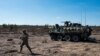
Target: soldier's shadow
35 54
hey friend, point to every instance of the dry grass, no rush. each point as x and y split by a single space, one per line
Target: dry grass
44 46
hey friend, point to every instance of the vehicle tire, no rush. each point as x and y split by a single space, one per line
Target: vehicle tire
52 36
85 37
66 38
75 38
59 37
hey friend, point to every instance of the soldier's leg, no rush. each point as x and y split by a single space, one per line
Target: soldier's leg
27 45
21 46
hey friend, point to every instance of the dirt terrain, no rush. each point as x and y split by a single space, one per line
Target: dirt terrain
43 46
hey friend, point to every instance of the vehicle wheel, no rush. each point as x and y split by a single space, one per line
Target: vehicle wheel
75 38
52 36
85 37
59 37
66 38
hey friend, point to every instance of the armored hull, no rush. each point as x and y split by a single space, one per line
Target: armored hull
70 33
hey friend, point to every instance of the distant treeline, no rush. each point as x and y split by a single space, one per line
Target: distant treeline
20 26
32 28
6 28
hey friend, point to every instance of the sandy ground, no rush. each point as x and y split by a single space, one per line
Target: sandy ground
44 46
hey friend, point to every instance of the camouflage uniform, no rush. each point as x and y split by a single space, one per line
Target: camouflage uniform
24 39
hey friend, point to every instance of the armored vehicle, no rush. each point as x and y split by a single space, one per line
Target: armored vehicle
70 32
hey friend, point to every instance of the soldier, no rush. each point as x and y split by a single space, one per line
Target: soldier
24 39
57 27
67 23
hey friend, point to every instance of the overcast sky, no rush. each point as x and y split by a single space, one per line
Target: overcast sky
40 12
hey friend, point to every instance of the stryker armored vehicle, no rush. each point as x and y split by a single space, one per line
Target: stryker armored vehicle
70 32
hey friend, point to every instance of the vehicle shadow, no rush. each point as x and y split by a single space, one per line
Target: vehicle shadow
92 40
98 41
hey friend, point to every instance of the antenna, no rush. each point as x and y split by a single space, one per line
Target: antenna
81 16
85 17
